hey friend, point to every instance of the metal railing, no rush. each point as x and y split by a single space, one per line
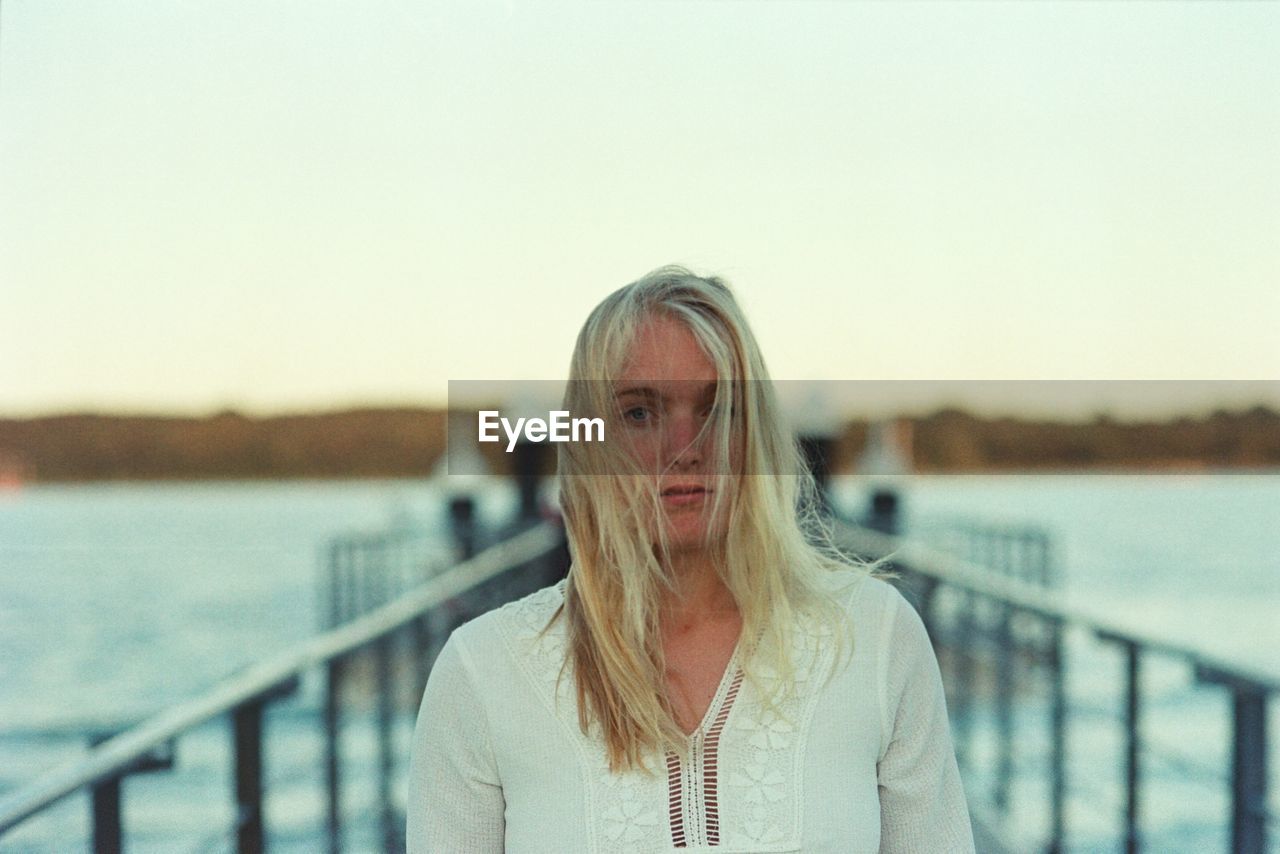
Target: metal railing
376 616
242 699
928 572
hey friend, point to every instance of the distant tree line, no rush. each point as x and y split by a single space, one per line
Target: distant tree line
409 442
353 443
952 440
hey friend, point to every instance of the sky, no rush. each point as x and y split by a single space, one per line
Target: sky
286 206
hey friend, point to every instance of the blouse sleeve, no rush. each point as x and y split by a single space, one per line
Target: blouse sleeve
455 800
922 801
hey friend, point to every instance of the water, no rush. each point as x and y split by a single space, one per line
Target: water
1194 558
116 600
119 599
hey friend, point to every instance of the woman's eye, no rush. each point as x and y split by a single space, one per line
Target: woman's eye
637 415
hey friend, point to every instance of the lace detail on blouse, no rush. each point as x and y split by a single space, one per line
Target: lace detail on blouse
740 789
685 808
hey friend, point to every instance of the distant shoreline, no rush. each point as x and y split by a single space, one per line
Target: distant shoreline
403 443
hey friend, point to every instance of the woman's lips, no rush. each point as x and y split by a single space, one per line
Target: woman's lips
680 496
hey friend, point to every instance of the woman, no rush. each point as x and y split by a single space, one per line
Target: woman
709 676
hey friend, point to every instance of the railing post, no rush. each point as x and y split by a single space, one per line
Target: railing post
331 598
1249 772
383 650
386 758
247 726
1058 736
462 513
1248 758
883 513
1044 561
362 586
1133 737
1004 706
344 593
333 752
106 817
526 466
1133 746
105 796
964 678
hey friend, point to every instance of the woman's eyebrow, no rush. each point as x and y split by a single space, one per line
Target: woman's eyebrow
708 391
638 391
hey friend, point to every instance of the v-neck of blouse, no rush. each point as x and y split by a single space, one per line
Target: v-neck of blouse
693 783
727 677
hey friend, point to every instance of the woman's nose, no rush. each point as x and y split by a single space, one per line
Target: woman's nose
683 447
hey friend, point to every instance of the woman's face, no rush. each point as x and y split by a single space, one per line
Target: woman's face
664 395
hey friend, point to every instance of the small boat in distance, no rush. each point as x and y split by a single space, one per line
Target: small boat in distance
15 470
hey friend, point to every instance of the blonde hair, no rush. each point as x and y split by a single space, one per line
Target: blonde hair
775 555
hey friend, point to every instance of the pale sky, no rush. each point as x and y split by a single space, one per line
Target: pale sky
290 205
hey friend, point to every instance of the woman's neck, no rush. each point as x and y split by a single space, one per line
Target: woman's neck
701 595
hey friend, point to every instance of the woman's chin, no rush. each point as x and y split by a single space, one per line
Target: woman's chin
689 536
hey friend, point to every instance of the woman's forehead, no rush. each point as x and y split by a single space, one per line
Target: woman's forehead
665 349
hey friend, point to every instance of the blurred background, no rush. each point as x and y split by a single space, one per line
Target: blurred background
244 248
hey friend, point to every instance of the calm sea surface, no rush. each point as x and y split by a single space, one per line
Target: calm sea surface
118 599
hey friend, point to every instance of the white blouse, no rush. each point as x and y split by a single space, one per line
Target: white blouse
862 762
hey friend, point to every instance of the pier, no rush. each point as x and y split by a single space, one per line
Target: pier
987 594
